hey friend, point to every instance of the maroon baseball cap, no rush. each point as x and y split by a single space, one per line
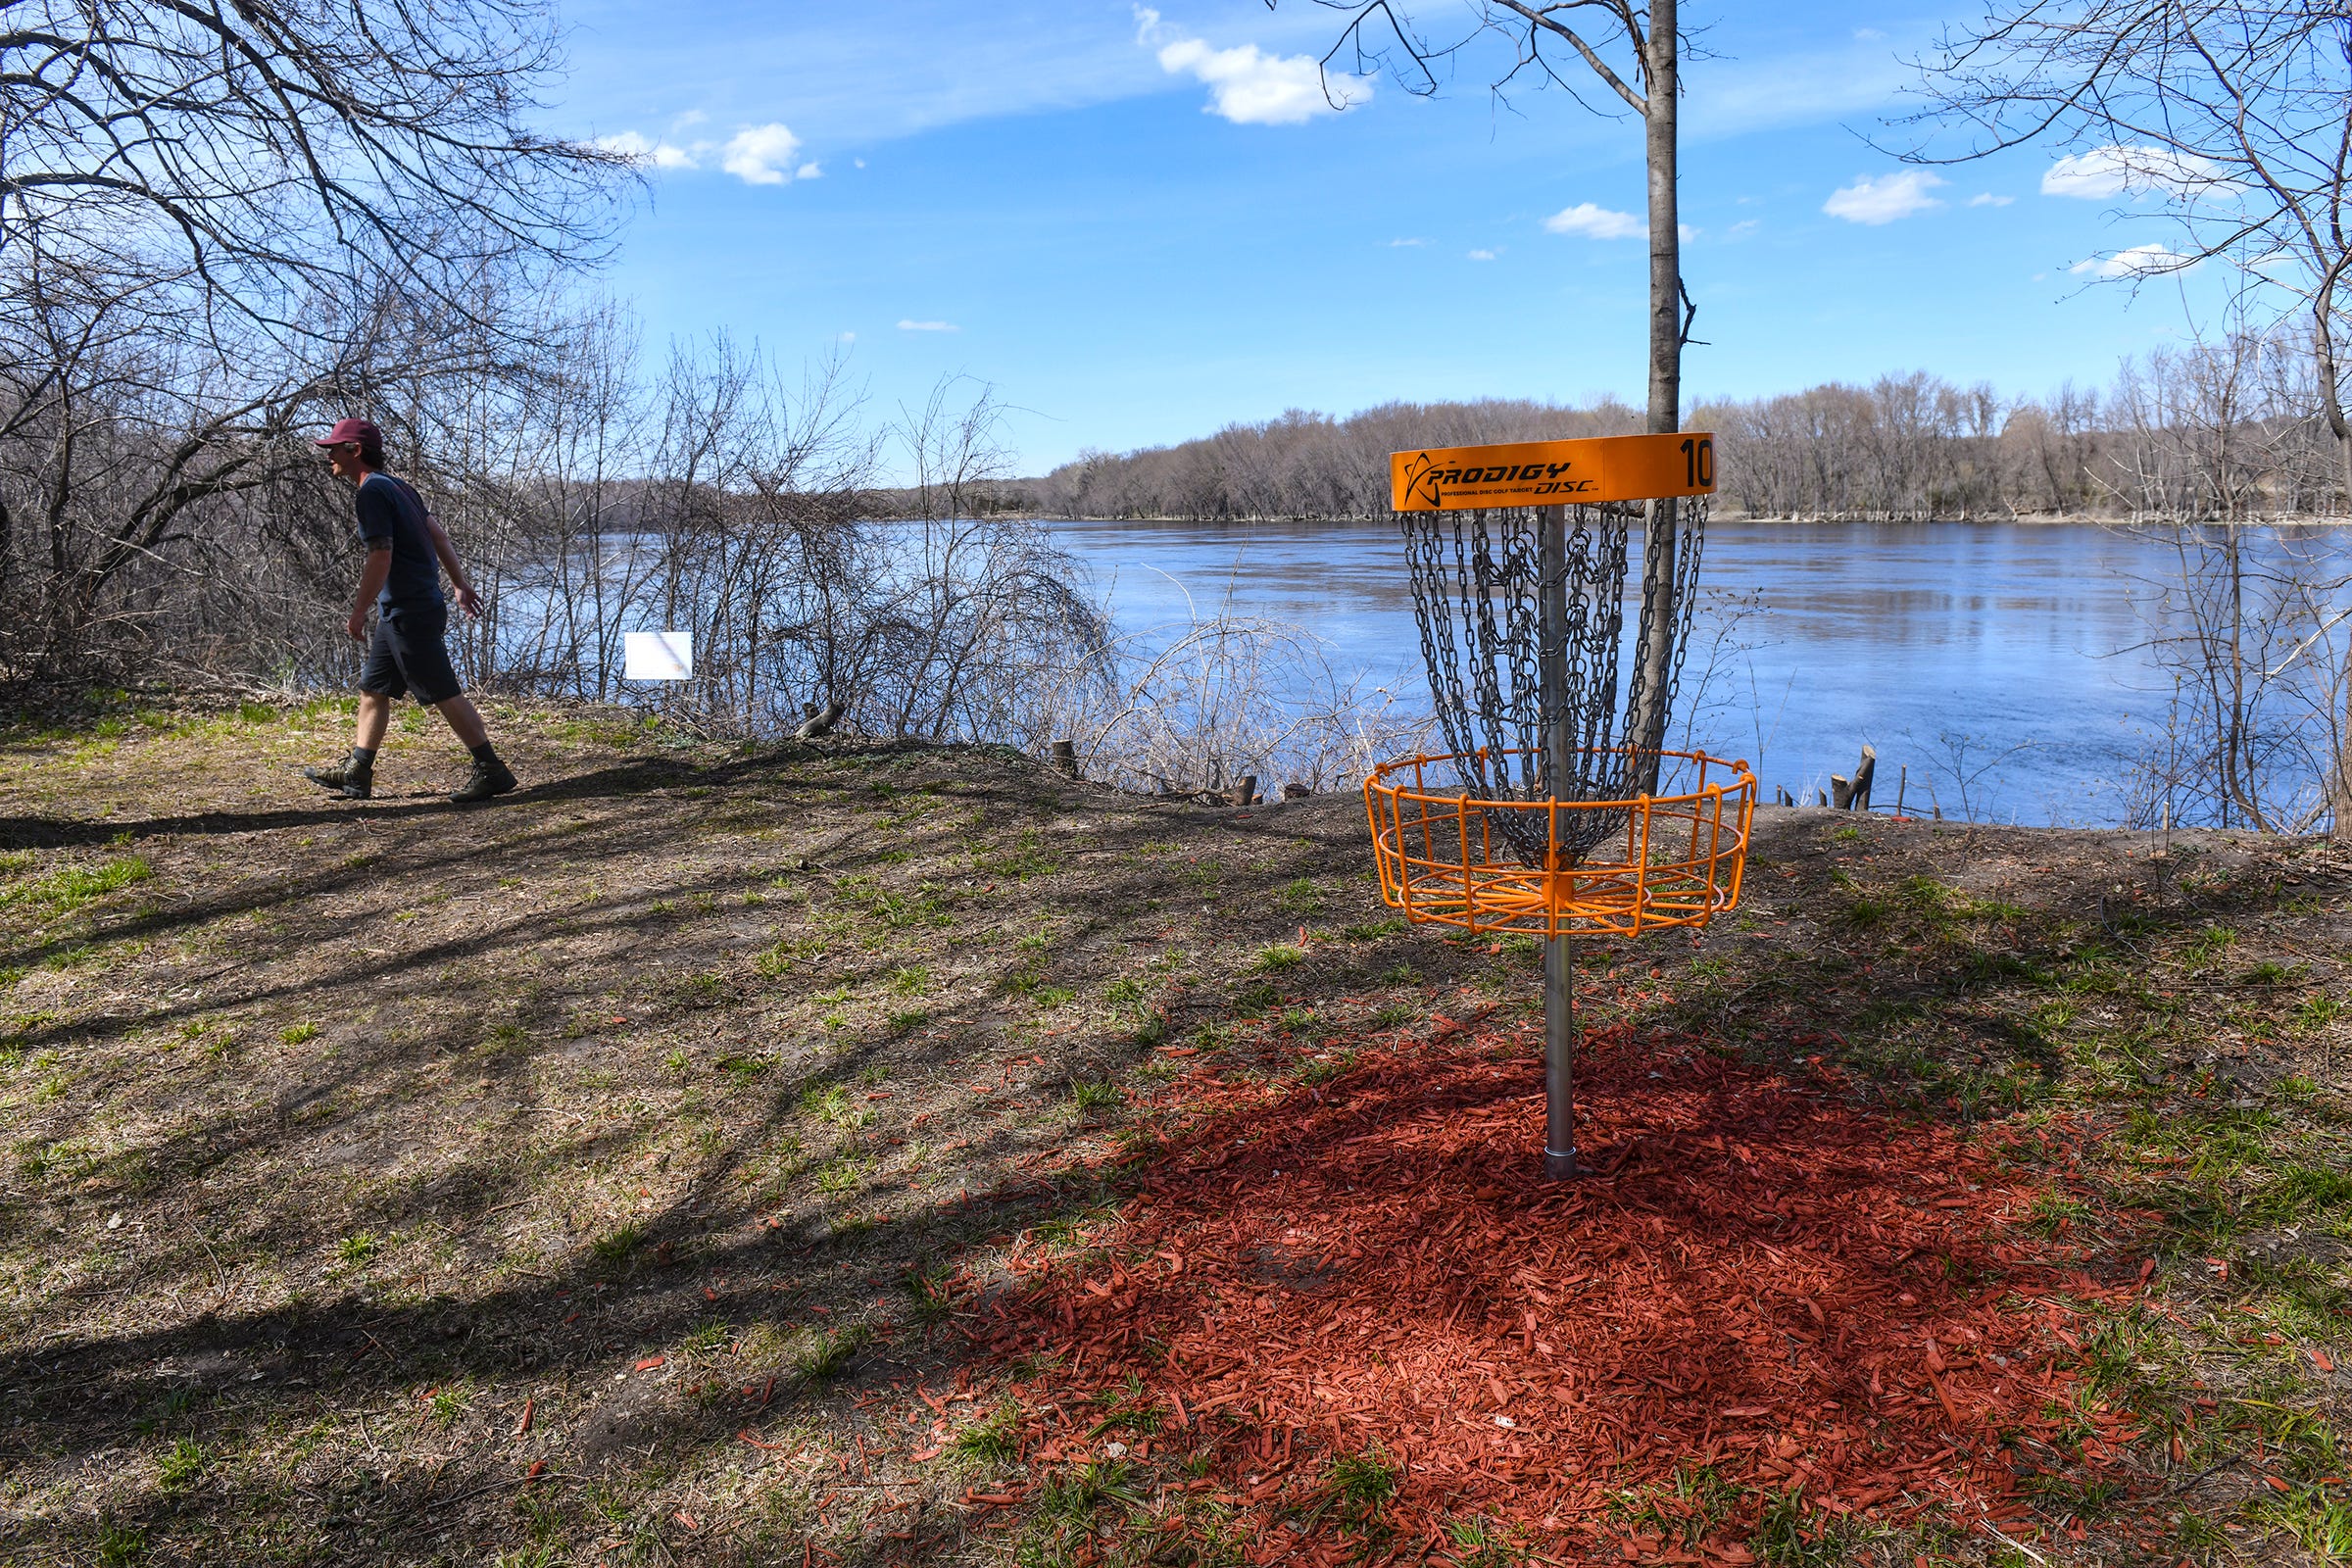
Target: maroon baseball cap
350 430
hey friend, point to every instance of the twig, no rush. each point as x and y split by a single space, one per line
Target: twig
2183 1486
509 1481
1994 1531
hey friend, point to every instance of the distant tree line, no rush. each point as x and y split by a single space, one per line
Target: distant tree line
2226 429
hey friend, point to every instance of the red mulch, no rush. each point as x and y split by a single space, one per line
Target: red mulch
1805 1296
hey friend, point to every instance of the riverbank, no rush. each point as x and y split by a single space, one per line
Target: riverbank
730 1156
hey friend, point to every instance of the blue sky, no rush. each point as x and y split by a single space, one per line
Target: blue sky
1141 224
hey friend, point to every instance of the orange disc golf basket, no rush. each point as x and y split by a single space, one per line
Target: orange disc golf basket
1555 810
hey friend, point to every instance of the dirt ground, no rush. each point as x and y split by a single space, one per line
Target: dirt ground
644 1169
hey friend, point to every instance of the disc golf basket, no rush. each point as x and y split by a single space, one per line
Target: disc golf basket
1544 814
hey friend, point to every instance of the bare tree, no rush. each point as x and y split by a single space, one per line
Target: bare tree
2236 113
1634 56
263 150
216 218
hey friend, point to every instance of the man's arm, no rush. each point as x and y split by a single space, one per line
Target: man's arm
467 599
371 584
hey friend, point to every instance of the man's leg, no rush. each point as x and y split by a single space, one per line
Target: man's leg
490 775
354 778
376 716
464 722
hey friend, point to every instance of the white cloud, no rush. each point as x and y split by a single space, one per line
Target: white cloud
1868 35
857 163
1248 85
808 171
1482 256
659 154
761 155
1596 222
2141 260
1742 229
2104 173
1399 244
1600 222
929 326
1985 198
846 337
1730 96
1885 198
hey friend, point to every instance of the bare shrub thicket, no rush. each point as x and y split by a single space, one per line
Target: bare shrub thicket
1201 705
163 524
748 520
2246 619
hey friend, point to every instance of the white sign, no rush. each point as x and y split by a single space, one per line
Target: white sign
659 655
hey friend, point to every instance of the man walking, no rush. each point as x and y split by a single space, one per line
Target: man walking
407 654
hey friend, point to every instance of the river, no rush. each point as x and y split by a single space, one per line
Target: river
1999 664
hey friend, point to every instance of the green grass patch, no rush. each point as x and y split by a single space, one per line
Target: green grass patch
840 1175
63 891
616 1246
181 1465
994 1439
831 1103
825 1356
1361 1487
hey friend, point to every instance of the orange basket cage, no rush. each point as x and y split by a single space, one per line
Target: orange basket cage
1679 862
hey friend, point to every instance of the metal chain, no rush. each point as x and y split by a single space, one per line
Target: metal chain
1477 599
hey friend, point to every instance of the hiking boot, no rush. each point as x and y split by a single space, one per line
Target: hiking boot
350 778
485 781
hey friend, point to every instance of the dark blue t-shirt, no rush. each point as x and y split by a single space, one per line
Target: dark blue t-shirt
392 512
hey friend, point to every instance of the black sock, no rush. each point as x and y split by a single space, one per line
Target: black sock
363 756
485 754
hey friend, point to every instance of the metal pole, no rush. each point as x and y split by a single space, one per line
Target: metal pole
1559 990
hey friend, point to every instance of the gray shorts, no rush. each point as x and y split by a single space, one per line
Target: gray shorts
408 655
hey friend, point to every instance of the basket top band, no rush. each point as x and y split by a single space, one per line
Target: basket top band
1552 473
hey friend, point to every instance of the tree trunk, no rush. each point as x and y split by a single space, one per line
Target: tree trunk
2339 810
2322 345
1665 227
1665 387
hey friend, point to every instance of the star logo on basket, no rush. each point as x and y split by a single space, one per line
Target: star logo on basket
1421 479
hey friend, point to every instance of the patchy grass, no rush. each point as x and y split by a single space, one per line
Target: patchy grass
341 1136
